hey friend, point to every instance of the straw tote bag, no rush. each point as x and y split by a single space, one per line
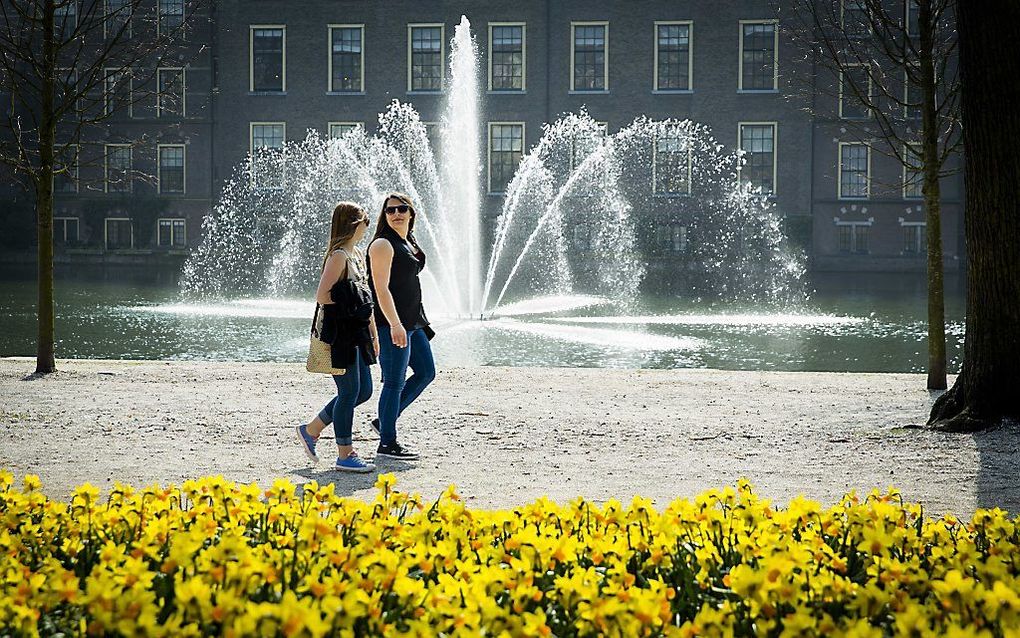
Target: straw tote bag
319 358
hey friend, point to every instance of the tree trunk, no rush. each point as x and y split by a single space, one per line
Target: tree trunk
932 197
44 359
988 387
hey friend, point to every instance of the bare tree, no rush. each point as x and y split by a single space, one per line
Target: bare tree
985 392
66 67
895 63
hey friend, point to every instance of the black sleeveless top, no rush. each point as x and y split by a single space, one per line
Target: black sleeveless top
404 284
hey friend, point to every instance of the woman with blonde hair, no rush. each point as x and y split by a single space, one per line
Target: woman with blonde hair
395 259
349 327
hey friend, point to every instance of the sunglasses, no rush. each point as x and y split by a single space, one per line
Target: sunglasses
393 210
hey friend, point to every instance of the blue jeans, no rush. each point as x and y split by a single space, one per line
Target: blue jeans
398 392
352 389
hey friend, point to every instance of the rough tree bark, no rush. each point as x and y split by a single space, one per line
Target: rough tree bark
987 391
45 362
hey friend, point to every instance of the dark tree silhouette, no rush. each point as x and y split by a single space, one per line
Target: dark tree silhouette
988 387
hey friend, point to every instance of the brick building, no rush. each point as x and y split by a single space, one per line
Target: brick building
262 71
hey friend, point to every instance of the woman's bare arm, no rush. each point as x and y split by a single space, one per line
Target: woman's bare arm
331 272
381 256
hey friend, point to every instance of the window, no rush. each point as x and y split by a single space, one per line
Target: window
171 100
759 62
339 129
671 238
172 233
585 143
506 147
425 57
65 19
434 135
911 11
346 59
758 141
65 230
854 81
171 16
853 237
506 57
913 174
856 18
671 165
266 138
589 56
117 96
171 168
673 61
66 181
67 86
119 233
268 67
854 170
118 168
912 97
117 21
915 238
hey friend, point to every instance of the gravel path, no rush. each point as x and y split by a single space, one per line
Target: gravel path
506 436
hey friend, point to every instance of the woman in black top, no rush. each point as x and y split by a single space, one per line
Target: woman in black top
394 261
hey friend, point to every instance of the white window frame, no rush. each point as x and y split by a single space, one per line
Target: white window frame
839 173
106 230
488 153
63 25
605 61
172 231
77 155
775 56
775 150
159 169
251 57
251 149
524 56
922 237
63 222
655 164
106 19
159 21
106 168
920 172
184 90
690 55
442 55
906 96
573 163
871 93
107 72
330 125
329 58
853 226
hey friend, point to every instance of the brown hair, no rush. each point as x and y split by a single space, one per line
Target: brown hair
346 217
383 225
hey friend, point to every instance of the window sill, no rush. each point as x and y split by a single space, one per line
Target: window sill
277 93
502 194
345 93
672 91
853 199
173 195
844 118
758 91
507 92
671 195
425 92
591 92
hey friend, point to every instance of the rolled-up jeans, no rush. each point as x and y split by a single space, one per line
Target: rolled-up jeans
398 390
352 389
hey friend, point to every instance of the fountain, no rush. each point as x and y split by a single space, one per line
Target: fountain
572 233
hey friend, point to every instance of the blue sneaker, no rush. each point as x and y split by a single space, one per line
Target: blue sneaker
353 463
307 442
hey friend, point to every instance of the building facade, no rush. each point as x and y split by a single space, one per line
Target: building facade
259 72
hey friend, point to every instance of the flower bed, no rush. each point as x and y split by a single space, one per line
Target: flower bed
215 558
